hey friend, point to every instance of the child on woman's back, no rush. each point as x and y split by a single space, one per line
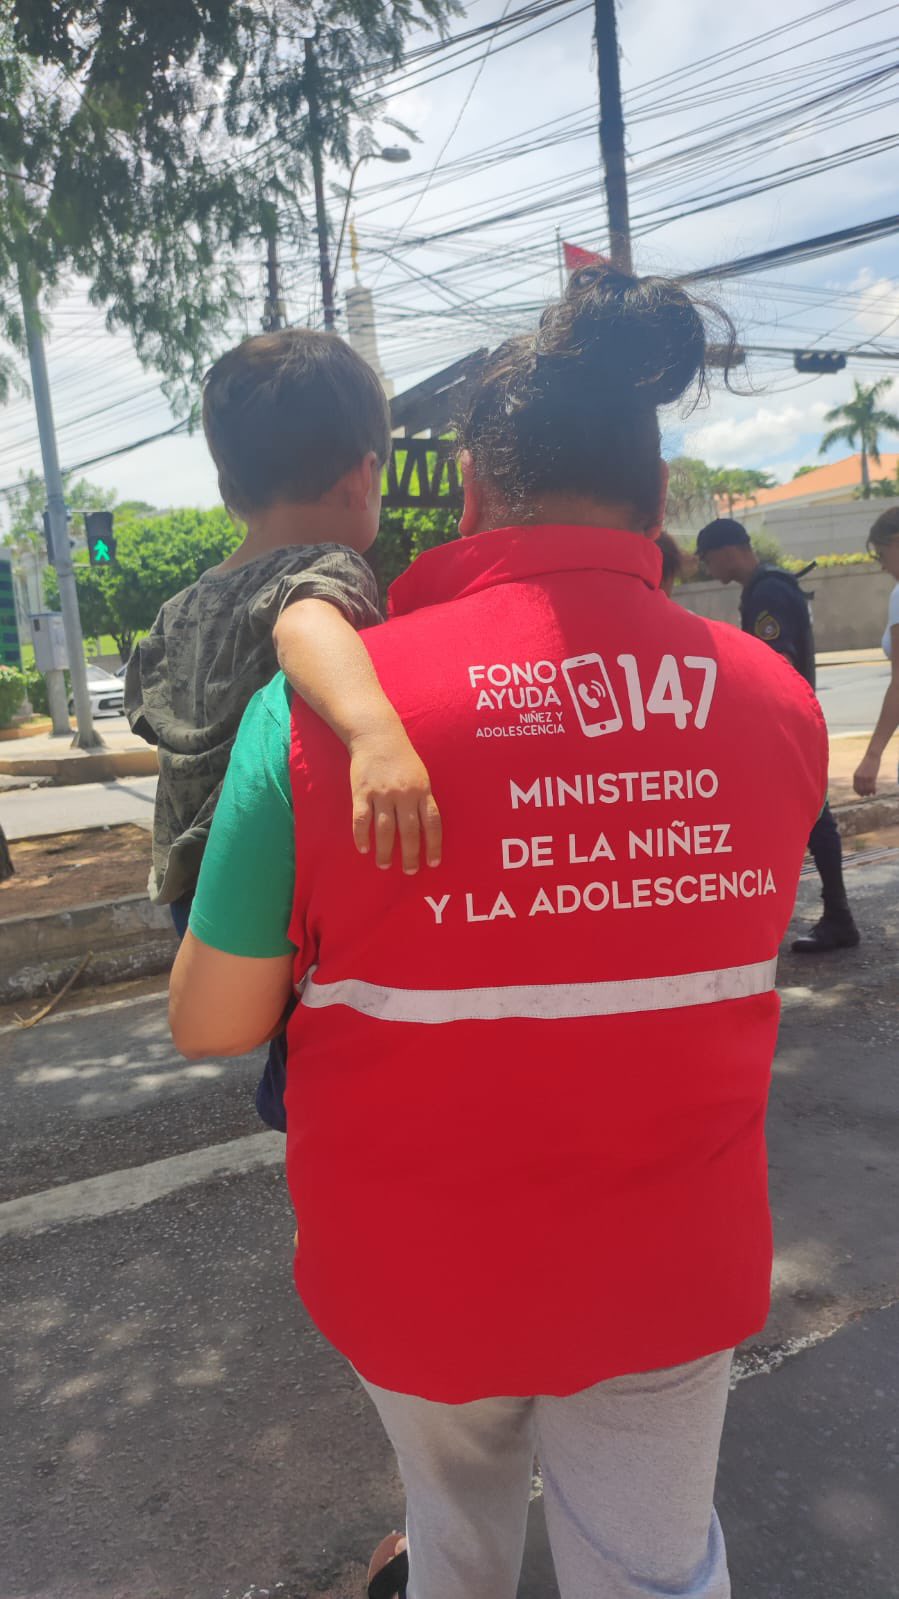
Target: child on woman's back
299 429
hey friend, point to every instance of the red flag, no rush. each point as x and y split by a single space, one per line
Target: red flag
576 257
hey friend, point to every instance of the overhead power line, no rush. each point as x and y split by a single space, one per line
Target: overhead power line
805 250
855 354
110 455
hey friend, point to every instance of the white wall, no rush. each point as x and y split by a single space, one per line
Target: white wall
849 605
809 530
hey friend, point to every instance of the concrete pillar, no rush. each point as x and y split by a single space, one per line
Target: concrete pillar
361 331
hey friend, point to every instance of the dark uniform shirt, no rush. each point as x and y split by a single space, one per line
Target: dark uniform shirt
774 609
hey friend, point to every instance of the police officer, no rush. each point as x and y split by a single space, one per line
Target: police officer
774 609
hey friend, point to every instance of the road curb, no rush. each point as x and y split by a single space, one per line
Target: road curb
12 735
872 657
126 938
103 767
865 816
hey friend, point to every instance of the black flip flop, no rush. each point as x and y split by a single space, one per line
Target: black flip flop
391 1580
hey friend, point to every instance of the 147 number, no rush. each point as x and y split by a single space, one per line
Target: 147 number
667 697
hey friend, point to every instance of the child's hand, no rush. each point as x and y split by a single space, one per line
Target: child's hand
392 790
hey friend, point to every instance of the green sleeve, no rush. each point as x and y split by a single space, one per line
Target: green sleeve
244 895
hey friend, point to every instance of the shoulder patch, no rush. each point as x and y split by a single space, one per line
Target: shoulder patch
767 627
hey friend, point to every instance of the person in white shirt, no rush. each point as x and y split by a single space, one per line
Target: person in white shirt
883 543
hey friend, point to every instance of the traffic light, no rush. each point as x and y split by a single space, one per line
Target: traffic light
51 555
100 537
820 361
721 355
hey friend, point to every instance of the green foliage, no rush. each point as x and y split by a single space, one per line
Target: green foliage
860 422
403 535
803 471
36 689
156 557
883 488
694 488
825 562
767 549
156 139
24 536
137 508
690 493
12 693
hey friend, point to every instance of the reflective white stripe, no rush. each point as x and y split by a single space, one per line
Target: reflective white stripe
541 1002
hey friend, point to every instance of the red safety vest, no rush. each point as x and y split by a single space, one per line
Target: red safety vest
526 1090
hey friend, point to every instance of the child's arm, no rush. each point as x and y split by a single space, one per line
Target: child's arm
330 668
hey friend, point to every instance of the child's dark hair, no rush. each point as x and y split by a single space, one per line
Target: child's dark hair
287 414
571 409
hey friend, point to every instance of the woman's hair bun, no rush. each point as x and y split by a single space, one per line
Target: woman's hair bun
639 336
571 409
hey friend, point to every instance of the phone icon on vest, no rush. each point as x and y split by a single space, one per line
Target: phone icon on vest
592 695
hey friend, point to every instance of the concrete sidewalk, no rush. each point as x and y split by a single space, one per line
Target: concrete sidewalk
872 657
48 755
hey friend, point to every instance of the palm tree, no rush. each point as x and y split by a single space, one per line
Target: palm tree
689 490
886 488
859 420
732 483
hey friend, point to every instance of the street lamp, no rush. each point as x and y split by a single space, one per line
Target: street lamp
396 154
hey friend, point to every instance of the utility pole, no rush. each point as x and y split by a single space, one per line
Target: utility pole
611 136
86 737
321 215
273 318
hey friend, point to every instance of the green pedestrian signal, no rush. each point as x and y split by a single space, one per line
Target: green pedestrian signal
100 537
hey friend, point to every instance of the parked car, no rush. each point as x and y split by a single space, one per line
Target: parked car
107 693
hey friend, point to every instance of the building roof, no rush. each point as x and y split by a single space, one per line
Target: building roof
835 477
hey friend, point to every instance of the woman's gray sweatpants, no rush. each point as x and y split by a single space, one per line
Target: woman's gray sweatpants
628 1480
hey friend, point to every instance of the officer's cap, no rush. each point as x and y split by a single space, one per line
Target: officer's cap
723 533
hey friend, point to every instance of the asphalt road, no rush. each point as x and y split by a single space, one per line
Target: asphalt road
176 1428
850 695
35 812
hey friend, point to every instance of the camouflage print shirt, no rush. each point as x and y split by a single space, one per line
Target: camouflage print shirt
190 680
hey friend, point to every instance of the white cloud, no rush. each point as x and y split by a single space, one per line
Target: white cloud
768 432
172 472
879 312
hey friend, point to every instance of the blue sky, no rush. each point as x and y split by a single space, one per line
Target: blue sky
436 301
